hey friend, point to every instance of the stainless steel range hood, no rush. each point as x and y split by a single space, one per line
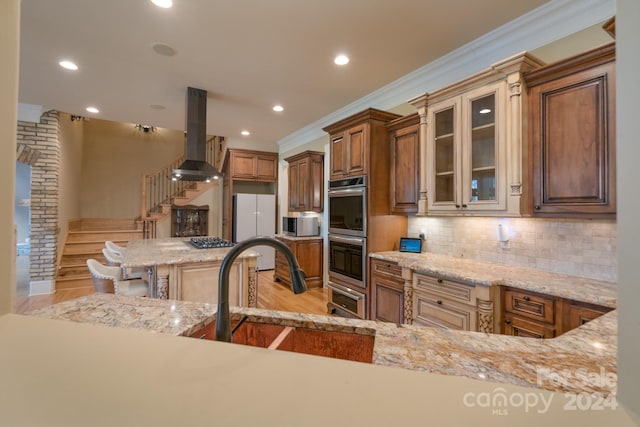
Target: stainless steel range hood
195 166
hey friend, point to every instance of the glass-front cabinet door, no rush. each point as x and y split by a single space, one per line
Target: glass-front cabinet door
444 155
465 142
483 180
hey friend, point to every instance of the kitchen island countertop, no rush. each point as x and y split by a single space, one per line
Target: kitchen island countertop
558 364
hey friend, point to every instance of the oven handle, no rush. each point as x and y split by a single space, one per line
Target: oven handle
356 296
351 240
347 192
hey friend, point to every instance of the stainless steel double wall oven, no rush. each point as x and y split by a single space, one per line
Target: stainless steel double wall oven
348 247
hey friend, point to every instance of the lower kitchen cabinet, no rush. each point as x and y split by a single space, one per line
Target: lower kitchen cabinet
387 292
577 313
444 303
309 253
535 315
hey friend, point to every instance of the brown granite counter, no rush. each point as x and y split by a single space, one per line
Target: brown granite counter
488 274
583 360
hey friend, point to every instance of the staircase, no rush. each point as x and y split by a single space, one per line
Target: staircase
86 237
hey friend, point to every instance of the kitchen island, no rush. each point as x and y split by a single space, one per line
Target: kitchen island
183 272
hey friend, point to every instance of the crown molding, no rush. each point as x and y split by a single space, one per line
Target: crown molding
546 24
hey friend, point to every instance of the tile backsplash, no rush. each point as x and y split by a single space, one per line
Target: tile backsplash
585 248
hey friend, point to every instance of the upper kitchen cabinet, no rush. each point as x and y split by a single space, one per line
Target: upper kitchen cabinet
572 135
306 182
355 142
404 140
248 165
472 142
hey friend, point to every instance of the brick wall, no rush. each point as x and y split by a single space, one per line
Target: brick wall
41 141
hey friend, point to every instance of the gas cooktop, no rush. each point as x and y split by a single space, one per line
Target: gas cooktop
210 242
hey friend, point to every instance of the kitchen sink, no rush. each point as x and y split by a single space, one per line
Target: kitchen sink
318 342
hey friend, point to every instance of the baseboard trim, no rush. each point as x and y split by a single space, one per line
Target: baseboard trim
42 287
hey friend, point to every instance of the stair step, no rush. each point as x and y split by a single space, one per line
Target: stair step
80 259
68 272
92 236
101 224
83 248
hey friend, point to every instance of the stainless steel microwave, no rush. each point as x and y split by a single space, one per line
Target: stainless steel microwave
300 226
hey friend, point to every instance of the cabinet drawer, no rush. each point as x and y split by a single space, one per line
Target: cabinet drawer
515 326
390 270
455 291
530 305
430 310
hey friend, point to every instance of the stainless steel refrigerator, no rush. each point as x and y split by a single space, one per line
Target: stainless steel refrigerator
255 215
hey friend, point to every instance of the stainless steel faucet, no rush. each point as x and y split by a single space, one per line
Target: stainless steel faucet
223 322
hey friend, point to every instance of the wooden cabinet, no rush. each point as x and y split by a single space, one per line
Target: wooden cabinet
471 142
252 165
358 142
189 220
530 314
535 315
309 252
198 282
572 134
444 303
577 313
404 140
387 292
246 171
306 182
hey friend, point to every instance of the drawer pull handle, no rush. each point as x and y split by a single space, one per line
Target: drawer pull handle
458 206
464 206
526 298
439 280
439 302
537 207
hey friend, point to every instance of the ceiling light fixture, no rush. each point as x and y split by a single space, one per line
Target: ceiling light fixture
165 4
93 110
163 49
278 108
341 60
245 133
485 111
68 65
146 128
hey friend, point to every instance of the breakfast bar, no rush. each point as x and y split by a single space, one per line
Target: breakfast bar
184 272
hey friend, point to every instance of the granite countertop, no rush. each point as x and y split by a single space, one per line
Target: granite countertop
298 238
172 250
488 274
574 362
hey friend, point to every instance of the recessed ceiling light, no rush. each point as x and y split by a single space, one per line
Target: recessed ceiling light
157 107
68 65
341 60
278 108
163 3
245 133
485 111
163 49
93 110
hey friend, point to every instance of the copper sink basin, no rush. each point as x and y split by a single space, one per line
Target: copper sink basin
338 345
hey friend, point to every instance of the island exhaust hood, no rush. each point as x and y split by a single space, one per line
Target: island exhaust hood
195 166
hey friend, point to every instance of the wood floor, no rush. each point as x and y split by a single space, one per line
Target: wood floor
271 295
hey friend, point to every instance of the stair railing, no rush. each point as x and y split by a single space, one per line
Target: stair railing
158 188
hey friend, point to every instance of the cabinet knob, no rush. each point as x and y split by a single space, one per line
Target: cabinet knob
507 322
439 280
458 206
464 206
439 302
536 207
526 298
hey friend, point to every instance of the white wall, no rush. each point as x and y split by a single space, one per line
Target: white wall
628 64
70 178
9 50
115 158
